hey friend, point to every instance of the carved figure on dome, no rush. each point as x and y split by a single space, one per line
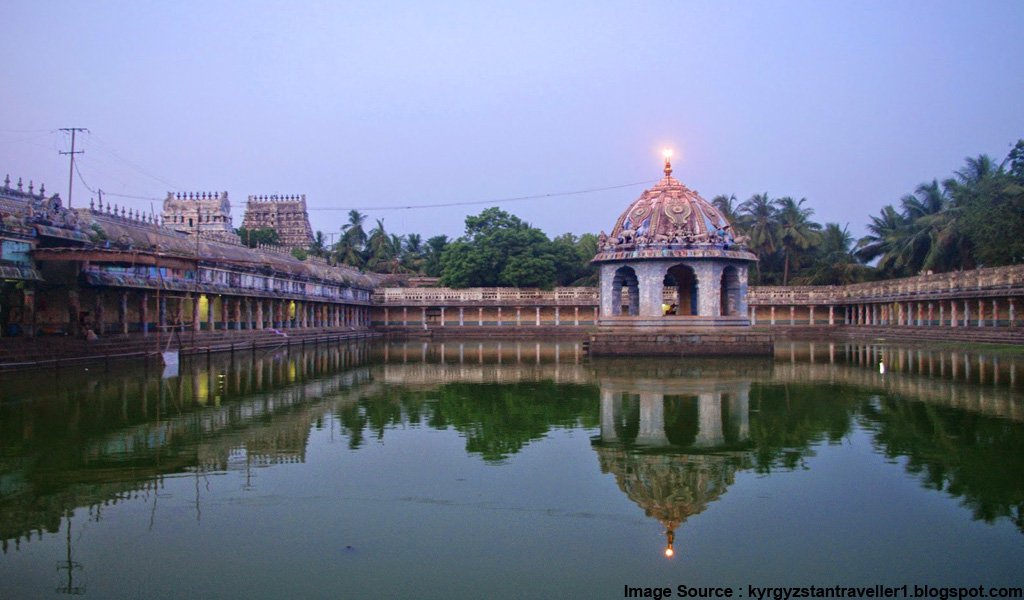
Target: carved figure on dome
626 236
602 239
678 212
71 220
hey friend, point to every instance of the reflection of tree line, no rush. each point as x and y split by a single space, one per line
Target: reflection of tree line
88 440
969 456
497 420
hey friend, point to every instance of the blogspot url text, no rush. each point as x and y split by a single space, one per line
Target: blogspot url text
815 591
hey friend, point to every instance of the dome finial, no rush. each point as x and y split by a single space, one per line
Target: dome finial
667 153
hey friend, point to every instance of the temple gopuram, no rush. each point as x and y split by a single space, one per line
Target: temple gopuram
286 215
208 213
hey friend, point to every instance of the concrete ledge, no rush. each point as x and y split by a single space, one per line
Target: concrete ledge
680 343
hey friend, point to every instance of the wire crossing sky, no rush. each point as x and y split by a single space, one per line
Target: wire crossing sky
451 106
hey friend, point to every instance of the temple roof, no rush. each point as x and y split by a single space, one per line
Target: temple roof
672 220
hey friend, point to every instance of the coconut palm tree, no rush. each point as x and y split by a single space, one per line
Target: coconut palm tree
834 263
318 247
379 248
796 232
886 242
349 249
727 206
758 220
413 253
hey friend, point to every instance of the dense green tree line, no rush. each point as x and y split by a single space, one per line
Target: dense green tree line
973 218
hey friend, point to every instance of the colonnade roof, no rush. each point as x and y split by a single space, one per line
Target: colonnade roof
135 236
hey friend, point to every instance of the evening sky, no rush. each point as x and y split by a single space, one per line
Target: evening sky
379 104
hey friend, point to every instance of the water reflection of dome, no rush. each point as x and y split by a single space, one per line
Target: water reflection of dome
670 487
673 443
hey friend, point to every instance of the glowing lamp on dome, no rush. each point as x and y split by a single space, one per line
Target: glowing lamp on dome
669 552
667 153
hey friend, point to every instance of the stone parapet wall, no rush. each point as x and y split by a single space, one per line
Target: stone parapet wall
989 282
485 296
977 283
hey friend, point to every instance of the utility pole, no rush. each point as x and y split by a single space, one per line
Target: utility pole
71 169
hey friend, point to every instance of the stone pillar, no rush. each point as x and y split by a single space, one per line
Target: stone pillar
709 289
981 313
1013 313
195 312
462 316
557 318
248 313
161 321
652 420
739 412
387 316
576 316
499 316
709 417
611 412
967 313
810 318
931 314
753 315
772 313
74 307
792 315
405 316
442 316
122 312
259 314
831 315
237 316
538 316
423 316
953 321
98 321
210 314
995 313
480 316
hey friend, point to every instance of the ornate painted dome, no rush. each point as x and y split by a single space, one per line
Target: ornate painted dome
670 219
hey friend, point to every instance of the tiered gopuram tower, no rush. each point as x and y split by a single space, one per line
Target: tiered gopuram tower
206 212
285 214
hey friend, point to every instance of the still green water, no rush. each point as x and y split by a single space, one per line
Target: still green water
512 470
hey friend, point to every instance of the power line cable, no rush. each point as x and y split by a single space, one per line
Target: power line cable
494 201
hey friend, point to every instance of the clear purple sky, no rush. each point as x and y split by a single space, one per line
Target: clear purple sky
376 104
